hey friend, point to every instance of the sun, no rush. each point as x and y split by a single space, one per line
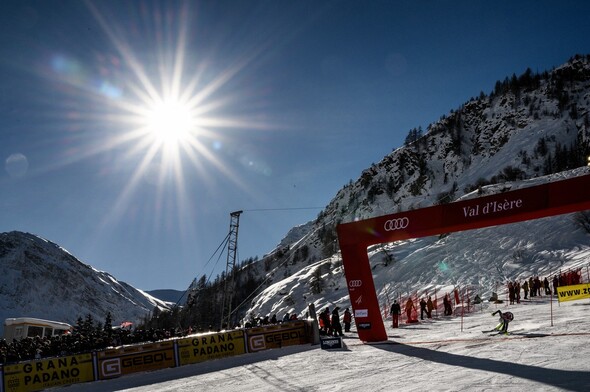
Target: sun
174 115
169 122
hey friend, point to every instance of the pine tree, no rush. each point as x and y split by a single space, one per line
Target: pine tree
315 282
87 325
108 325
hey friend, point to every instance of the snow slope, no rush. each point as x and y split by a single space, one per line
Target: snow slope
509 138
476 261
547 351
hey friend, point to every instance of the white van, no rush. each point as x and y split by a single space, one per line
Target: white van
21 327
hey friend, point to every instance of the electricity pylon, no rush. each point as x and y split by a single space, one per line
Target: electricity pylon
232 250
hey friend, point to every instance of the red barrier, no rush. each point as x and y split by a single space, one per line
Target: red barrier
559 197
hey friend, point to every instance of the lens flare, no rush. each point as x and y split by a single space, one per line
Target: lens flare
16 165
161 114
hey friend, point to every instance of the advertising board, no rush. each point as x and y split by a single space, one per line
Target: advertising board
276 336
200 348
126 360
48 373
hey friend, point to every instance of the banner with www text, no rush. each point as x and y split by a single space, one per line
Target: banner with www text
573 292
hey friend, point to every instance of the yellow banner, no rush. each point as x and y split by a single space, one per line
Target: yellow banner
276 336
47 373
573 292
201 348
132 359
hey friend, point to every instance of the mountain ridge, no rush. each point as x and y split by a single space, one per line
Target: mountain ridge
39 278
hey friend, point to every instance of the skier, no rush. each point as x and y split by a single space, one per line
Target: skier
505 319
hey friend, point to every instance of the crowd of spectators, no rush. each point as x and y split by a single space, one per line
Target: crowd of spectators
537 287
529 288
86 337
77 342
569 278
260 321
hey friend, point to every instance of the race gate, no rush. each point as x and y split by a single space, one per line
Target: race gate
549 199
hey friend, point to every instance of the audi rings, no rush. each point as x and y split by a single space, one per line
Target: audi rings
355 283
396 224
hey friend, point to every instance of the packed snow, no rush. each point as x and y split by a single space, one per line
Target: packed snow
547 350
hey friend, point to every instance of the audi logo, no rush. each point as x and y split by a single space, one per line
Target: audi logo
396 224
355 283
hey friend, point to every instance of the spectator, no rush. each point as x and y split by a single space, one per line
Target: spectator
547 286
396 310
409 308
325 322
537 286
335 323
422 308
429 306
347 319
448 306
525 287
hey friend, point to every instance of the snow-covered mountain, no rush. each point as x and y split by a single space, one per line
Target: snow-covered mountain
41 279
525 131
529 129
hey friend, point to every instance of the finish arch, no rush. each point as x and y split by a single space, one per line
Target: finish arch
549 199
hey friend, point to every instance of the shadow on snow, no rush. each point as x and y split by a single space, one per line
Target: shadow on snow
570 380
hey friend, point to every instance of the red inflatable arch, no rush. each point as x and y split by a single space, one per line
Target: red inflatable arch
539 201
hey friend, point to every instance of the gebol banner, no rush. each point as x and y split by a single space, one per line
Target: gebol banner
211 346
276 336
48 373
125 360
573 292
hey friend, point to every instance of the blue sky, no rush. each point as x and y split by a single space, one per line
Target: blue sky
284 103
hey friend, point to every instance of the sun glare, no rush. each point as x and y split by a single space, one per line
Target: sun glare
170 122
170 111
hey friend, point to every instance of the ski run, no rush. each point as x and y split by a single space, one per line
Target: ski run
546 350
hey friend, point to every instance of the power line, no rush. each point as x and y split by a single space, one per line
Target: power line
285 209
221 245
227 239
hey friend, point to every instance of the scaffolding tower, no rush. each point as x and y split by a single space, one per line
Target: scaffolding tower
232 250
